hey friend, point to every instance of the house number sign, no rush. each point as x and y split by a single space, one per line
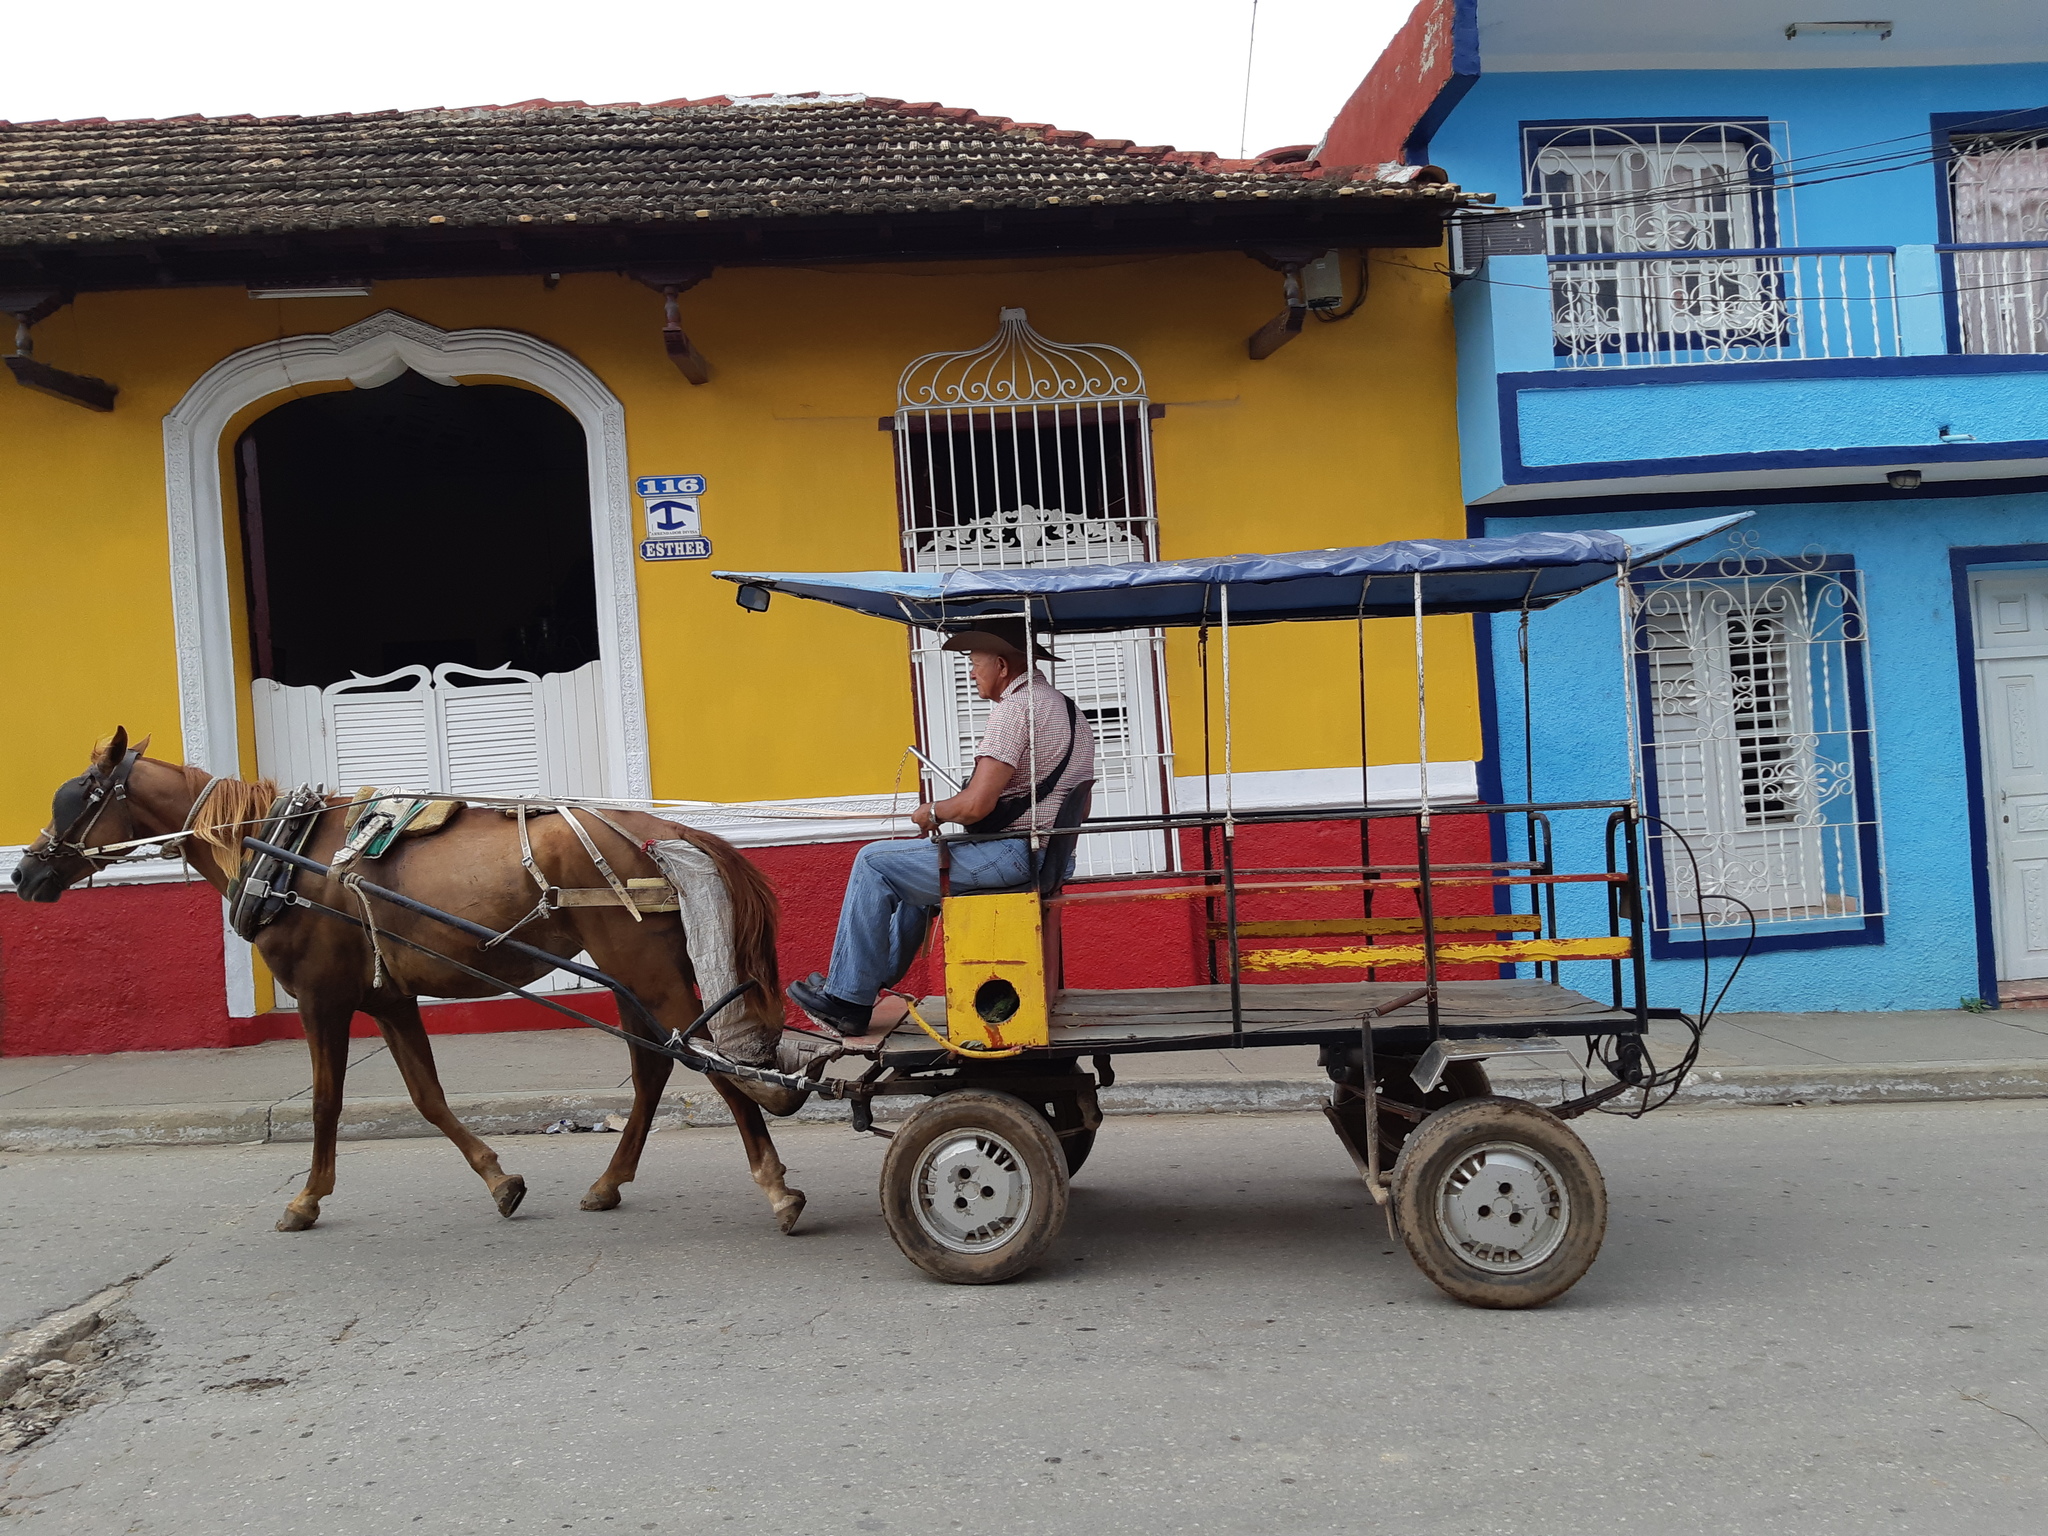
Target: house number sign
674 517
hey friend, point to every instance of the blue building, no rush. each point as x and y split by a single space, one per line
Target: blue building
1748 262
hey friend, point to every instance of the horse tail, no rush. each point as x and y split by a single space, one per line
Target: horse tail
756 915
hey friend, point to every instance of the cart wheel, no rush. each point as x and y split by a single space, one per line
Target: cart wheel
974 1187
1501 1205
1076 1139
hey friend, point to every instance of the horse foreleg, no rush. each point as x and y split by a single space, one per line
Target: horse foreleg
398 1019
650 1077
787 1203
326 1028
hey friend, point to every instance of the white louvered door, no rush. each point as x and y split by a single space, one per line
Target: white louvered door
464 729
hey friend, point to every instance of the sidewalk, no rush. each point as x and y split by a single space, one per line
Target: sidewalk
510 1084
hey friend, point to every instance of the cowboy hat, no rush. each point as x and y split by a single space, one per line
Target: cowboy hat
1005 637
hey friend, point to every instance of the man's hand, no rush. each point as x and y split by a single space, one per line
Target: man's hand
991 776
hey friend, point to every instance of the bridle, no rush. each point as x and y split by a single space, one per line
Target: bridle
92 793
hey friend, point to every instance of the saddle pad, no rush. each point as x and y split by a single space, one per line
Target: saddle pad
406 816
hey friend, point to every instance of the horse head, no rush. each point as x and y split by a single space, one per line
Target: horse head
87 813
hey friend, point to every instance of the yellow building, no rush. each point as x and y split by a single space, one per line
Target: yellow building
399 449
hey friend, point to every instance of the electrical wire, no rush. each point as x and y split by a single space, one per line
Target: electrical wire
1671 1079
1801 171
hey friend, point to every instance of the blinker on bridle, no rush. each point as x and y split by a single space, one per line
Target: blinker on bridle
95 793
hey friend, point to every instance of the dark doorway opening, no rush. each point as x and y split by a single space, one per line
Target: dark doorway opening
416 524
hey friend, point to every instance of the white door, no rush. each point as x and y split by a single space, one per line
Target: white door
2011 614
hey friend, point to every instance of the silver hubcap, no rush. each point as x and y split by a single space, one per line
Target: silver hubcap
973 1191
1503 1207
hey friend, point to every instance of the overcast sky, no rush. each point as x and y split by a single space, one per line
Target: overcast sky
1157 71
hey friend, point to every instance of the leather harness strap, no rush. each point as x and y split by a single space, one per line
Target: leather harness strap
603 868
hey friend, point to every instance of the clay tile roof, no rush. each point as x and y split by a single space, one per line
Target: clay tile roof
538 162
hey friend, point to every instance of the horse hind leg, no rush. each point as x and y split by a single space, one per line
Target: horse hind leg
398 1019
767 1168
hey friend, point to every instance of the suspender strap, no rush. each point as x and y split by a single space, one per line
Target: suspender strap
1001 817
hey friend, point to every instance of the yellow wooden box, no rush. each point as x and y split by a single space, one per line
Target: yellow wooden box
995 970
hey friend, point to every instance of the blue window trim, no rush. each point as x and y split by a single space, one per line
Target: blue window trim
1832 933
1511 385
1962 562
1943 128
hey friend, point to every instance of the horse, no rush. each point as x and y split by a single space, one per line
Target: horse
471 868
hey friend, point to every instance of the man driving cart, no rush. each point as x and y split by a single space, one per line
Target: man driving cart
1037 751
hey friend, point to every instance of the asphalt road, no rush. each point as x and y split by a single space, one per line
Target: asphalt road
1810 1320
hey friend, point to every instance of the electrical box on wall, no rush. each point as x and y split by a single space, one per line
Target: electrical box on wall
1322 282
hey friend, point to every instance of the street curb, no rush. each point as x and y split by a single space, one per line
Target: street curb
514 1114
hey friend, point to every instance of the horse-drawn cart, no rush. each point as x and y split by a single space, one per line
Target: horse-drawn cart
1498 1200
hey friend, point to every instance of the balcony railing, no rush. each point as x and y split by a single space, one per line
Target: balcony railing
2001 296
1638 309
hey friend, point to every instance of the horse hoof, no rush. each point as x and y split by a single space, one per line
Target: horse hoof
601 1199
509 1194
296 1221
787 1211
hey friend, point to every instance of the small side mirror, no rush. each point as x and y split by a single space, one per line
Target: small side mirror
753 598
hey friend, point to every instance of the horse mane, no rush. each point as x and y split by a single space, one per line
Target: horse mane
235 809
755 916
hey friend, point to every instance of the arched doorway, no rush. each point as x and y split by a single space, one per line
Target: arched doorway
420 590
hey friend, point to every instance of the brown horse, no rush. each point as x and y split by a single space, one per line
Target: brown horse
472 869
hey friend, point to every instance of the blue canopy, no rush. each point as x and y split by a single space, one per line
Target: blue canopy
1525 570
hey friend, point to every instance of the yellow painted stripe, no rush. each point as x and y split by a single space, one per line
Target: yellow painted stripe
1446 954
1325 927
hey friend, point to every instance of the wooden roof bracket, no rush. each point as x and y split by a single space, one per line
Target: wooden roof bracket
672 281
1285 326
29 307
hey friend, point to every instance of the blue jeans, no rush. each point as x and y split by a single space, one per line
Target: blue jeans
890 898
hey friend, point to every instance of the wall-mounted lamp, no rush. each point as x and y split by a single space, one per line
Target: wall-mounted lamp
670 282
1951 435
1311 280
753 598
1878 31
79 389
1903 479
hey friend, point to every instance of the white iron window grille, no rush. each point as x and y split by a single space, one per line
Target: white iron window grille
1645 196
1757 734
1998 200
1029 452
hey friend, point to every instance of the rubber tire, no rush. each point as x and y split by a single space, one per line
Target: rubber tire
1434 1149
1025 1129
